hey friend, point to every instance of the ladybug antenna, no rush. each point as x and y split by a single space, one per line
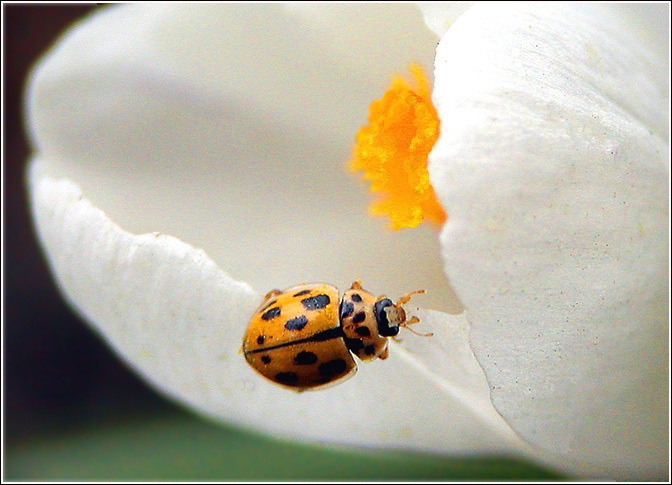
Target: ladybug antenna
407 296
413 320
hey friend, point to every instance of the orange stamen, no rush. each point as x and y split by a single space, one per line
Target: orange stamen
392 152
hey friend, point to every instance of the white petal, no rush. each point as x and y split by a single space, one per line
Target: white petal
230 125
552 165
179 320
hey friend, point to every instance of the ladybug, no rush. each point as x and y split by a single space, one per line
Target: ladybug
303 338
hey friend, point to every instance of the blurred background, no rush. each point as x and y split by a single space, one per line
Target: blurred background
58 376
73 411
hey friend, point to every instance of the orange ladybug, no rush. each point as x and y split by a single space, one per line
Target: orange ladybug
303 337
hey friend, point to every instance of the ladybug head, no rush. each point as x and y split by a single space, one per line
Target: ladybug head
389 317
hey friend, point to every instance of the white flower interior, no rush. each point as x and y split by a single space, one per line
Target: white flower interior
228 127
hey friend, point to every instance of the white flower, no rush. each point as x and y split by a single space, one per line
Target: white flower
228 126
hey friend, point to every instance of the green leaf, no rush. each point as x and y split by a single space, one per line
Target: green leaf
181 447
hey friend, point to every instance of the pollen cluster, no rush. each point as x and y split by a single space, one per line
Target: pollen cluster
392 152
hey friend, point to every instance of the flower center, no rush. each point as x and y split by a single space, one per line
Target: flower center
392 152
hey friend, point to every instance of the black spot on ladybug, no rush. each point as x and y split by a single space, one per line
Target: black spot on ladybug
286 377
303 292
346 309
354 344
363 331
316 302
332 368
270 314
359 317
305 358
265 359
260 339
296 323
370 350
355 297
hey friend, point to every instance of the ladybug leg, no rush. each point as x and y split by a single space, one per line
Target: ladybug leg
272 293
411 322
385 353
356 285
